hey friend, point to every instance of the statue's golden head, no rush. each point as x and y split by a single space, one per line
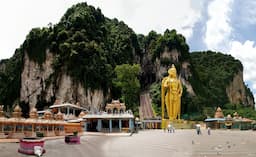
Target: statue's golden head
172 71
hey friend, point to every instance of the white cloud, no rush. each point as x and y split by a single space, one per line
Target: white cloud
143 15
218 29
19 17
219 34
246 53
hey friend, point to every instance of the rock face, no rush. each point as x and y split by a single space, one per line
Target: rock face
36 86
236 91
152 72
185 71
172 56
2 66
33 79
68 90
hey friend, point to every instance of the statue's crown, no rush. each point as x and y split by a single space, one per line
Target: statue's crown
172 69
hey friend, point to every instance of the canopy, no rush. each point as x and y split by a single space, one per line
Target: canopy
68 105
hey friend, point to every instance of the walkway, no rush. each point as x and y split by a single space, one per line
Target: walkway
152 143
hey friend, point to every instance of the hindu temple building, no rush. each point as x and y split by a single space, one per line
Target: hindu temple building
218 121
228 122
115 118
64 118
48 125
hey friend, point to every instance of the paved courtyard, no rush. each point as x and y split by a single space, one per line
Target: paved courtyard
151 143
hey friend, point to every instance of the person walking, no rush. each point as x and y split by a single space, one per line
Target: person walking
198 131
170 128
209 131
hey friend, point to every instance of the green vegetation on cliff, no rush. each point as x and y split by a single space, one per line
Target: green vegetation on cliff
10 79
170 41
216 71
127 81
85 39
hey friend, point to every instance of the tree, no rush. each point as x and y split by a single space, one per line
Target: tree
128 83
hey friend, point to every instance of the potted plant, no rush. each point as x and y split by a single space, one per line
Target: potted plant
75 133
39 134
73 139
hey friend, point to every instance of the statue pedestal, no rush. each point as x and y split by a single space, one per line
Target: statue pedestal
178 121
177 124
164 123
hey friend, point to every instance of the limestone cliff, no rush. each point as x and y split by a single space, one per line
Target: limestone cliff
172 56
236 91
221 79
185 74
36 86
33 80
184 69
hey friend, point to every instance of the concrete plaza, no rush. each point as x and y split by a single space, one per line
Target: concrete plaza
151 143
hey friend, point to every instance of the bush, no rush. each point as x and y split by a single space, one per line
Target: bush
75 133
39 134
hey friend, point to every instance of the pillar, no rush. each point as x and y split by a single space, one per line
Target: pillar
68 111
110 125
85 126
131 127
99 125
120 125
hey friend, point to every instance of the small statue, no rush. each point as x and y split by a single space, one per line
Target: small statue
38 151
171 91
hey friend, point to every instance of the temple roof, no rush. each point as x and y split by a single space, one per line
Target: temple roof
68 105
214 119
218 113
106 116
33 113
115 104
81 114
17 108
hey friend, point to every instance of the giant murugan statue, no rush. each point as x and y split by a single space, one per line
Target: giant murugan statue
171 91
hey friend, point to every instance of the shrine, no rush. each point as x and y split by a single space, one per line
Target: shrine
115 118
221 122
47 125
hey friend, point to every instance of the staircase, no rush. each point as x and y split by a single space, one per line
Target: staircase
146 111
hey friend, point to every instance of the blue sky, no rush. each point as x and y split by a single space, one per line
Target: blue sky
220 25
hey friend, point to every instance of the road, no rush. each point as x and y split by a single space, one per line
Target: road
151 143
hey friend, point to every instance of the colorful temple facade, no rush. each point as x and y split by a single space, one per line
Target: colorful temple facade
114 119
64 119
48 125
228 122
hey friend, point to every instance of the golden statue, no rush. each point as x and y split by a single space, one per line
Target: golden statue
171 91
